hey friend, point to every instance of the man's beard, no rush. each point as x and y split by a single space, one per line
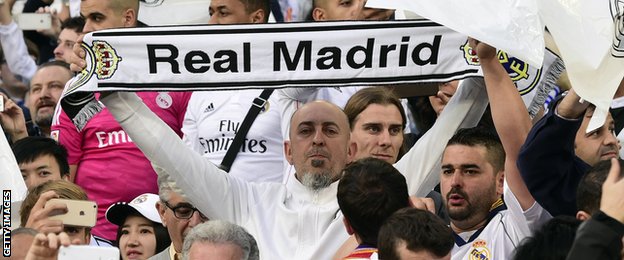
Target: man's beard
481 204
44 120
317 181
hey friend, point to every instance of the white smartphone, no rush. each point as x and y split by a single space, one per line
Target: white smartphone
74 252
81 213
1 100
33 21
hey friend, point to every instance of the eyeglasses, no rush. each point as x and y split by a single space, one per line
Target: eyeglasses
184 211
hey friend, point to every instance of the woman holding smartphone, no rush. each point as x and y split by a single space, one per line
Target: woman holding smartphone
140 234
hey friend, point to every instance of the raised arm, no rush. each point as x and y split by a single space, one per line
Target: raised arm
12 38
421 164
547 160
510 117
216 194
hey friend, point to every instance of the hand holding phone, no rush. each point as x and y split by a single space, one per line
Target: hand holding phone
81 213
34 21
38 218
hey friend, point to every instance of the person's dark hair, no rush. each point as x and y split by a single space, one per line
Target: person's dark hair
253 5
160 233
51 63
29 149
552 241
418 230
369 191
75 24
481 136
589 190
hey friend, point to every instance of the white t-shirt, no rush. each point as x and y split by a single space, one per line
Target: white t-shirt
212 120
503 233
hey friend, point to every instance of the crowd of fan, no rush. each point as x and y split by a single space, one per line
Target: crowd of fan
324 173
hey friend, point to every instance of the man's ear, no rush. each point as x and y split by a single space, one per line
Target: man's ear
258 16
347 226
500 182
582 215
288 152
318 14
351 152
129 18
161 212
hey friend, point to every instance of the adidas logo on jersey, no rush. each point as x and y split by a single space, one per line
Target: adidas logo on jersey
210 108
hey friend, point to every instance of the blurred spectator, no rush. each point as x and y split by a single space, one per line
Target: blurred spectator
140 234
337 9
35 215
177 215
21 239
602 236
70 29
40 159
213 118
589 190
15 85
239 11
558 152
369 191
217 239
412 233
552 241
12 38
45 91
103 159
45 40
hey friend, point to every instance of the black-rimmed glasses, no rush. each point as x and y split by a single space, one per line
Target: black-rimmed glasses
184 211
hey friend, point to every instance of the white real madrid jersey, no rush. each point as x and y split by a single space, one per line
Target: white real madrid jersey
212 120
502 234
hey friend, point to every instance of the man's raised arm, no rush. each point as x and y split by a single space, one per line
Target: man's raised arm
205 185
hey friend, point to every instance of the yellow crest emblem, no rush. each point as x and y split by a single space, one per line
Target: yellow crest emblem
479 251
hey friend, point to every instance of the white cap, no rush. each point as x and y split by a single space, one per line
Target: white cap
144 205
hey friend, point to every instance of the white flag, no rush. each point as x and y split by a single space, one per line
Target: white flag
11 177
510 25
588 40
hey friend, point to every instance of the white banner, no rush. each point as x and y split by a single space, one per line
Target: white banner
10 175
272 55
510 25
588 34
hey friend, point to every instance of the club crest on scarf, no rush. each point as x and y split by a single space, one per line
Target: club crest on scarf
101 59
524 76
617 12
